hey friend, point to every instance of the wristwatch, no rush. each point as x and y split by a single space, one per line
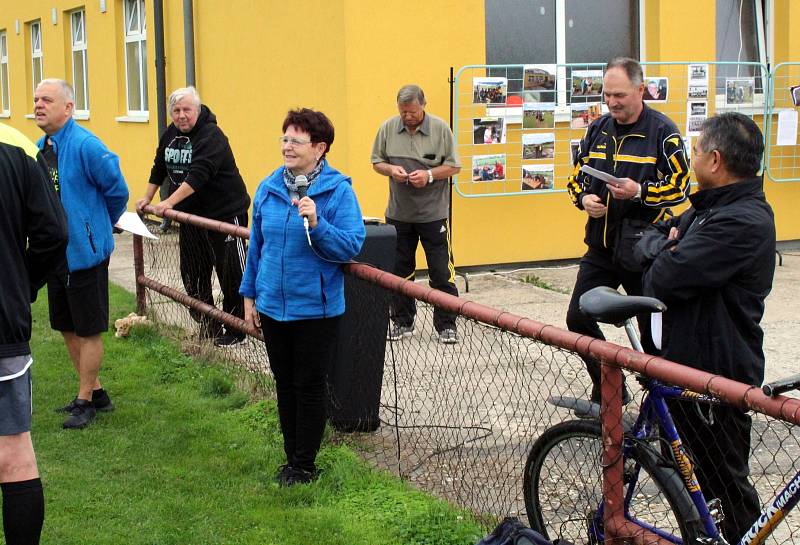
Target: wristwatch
638 196
430 177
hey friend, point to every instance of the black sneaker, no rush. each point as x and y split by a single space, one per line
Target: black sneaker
101 402
448 336
398 332
590 412
283 474
229 339
68 407
82 415
294 475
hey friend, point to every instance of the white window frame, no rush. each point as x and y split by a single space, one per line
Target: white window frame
36 53
561 47
79 47
135 28
5 85
761 43
514 115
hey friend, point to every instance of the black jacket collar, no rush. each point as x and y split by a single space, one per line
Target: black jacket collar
720 196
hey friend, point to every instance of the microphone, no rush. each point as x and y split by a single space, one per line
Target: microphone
301 182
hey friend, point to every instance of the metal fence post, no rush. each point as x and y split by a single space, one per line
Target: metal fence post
611 414
138 271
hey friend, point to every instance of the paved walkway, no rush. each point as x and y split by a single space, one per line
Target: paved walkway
508 291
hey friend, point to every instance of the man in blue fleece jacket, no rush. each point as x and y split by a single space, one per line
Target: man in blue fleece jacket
94 195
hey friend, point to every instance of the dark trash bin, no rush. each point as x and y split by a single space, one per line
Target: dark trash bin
354 381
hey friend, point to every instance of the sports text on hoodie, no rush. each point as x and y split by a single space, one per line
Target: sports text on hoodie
203 159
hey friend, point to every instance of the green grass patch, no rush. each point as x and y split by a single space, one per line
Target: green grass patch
188 457
540 283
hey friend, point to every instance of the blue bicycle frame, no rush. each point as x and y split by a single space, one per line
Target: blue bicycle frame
654 417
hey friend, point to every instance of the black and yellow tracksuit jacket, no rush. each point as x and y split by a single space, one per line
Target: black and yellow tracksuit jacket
33 237
652 153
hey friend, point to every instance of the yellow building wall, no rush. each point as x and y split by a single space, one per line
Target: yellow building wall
106 74
255 59
784 161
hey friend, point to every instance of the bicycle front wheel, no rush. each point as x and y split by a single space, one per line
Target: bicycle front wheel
563 487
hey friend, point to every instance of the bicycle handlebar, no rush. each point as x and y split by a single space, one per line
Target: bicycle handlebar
780 386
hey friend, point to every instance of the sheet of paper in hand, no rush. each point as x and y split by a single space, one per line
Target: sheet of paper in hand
600 175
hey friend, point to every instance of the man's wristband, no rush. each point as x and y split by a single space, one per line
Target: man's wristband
638 196
430 177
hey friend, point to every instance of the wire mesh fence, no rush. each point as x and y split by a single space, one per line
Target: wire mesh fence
488 423
783 153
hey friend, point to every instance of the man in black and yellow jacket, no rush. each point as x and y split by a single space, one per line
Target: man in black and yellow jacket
33 239
644 149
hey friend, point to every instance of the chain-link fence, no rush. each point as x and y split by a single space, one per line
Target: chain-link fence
783 153
488 423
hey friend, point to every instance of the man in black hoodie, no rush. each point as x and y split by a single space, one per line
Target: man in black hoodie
195 157
713 268
33 239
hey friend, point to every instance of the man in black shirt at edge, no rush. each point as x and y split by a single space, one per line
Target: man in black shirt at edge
196 157
643 148
33 238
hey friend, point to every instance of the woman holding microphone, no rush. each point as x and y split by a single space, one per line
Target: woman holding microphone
306 223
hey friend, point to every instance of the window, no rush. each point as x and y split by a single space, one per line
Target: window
5 106
740 38
80 67
136 56
36 54
558 32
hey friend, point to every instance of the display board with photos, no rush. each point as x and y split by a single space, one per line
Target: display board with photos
518 127
782 163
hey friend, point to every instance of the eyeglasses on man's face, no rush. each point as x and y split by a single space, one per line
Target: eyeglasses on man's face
291 141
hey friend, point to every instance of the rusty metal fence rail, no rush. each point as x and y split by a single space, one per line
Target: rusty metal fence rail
459 420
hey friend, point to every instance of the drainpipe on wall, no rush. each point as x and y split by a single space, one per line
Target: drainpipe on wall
161 63
161 87
188 40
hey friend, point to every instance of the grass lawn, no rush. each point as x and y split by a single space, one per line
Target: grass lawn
187 458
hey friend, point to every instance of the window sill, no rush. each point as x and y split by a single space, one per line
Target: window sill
30 116
5 115
81 116
133 118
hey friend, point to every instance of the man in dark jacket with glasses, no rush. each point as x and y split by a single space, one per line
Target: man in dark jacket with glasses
713 268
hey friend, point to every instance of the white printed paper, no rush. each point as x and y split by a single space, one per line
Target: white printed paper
787 128
599 174
131 222
655 329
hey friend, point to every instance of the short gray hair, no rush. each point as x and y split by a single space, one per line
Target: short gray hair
630 66
66 89
183 92
410 93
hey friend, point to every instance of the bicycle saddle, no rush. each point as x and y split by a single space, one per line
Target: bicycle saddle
609 306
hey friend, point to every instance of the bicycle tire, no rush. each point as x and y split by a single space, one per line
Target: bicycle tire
563 486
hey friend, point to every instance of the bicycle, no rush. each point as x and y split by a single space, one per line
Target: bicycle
661 493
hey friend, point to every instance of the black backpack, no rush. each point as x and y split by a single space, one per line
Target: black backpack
512 532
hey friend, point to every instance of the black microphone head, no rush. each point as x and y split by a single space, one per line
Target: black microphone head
301 182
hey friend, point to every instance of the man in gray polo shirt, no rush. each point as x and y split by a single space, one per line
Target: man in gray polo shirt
416 151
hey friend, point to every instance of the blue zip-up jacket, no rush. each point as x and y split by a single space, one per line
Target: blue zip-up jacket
93 193
284 276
